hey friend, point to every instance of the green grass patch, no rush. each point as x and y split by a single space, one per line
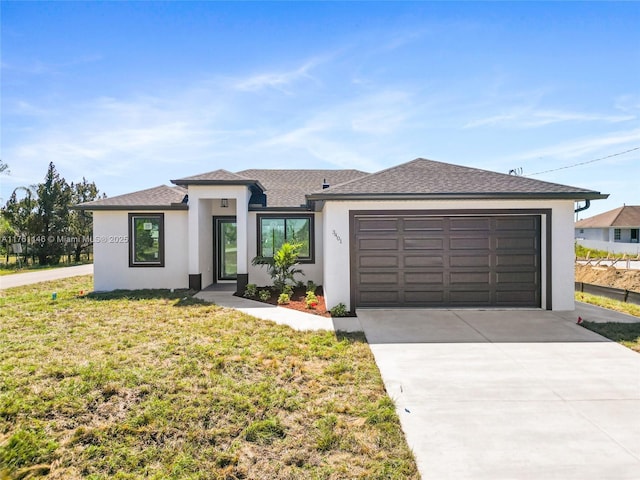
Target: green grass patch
584 252
156 384
611 304
628 334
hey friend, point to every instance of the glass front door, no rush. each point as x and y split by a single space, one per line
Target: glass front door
226 248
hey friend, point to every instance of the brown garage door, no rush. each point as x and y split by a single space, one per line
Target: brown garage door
446 261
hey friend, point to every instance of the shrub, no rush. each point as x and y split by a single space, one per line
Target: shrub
288 290
339 310
251 290
284 298
311 300
264 294
311 287
281 266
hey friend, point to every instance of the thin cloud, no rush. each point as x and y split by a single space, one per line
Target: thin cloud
38 67
538 118
584 146
277 80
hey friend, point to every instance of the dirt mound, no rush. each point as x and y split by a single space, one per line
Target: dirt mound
609 277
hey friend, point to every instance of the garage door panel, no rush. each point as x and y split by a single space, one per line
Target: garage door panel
416 261
378 244
469 298
478 260
422 297
423 243
378 225
516 260
423 224
390 278
382 261
468 243
515 298
469 277
379 297
518 223
448 261
422 278
529 278
469 223
516 243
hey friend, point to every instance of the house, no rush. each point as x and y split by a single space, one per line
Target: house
616 231
420 234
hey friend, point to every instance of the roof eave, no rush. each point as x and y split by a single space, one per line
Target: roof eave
301 208
248 183
576 196
173 206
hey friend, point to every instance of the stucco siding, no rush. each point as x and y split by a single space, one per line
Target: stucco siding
337 279
111 253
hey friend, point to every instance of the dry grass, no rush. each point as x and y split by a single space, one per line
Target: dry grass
159 385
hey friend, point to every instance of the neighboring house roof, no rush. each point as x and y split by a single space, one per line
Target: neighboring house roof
423 178
156 198
625 216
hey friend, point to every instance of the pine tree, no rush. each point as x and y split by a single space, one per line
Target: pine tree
81 222
52 217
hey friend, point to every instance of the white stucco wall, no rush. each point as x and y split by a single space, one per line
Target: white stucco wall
111 253
204 203
336 242
312 271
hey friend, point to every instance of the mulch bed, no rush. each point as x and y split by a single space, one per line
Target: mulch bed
298 302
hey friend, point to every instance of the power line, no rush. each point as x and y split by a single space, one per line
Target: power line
584 163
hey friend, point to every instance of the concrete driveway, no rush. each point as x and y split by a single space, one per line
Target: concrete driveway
509 394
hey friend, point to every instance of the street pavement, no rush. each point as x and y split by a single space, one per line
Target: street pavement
20 279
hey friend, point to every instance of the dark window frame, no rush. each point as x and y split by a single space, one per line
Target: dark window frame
617 233
132 261
303 216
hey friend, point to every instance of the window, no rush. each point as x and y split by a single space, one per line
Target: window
146 240
616 234
273 231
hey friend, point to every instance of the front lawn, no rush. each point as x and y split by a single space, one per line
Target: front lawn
160 385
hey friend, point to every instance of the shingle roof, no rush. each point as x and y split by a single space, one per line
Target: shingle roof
625 216
419 178
288 188
160 197
217 175
423 177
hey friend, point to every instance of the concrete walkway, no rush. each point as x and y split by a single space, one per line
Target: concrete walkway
19 279
281 315
509 394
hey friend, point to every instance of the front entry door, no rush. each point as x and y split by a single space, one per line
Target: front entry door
226 249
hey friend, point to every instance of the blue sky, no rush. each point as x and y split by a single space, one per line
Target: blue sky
133 94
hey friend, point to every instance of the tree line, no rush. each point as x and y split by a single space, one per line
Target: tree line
38 222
